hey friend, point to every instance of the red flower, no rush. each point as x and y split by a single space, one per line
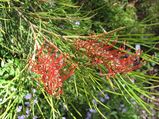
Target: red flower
50 64
114 60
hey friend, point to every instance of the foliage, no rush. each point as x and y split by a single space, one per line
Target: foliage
26 25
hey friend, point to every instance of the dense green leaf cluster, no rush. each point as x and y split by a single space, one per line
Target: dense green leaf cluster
26 24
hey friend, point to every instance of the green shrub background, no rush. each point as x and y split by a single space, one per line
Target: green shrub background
62 22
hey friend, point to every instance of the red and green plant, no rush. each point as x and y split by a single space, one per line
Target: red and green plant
114 60
51 65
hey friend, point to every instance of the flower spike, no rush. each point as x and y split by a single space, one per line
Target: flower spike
50 64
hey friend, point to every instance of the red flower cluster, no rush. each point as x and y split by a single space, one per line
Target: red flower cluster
115 60
51 66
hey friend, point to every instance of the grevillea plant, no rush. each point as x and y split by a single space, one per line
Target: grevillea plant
114 60
51 65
